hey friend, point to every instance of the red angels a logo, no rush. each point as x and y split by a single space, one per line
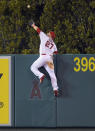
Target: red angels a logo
35 91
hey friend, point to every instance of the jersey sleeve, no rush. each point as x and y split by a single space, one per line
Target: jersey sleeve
55 50
38 30
42 35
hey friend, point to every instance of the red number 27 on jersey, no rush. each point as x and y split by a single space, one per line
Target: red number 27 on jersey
49 45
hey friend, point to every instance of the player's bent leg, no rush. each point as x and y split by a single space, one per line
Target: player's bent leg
34 68
53 78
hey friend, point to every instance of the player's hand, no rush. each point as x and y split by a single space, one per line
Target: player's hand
31 22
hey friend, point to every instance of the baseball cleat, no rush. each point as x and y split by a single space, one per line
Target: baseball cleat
42 78
56 93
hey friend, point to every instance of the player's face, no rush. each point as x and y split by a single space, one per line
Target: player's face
48 34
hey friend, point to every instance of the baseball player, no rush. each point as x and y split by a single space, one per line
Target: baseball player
47 50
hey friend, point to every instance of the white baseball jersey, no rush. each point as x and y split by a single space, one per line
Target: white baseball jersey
47 45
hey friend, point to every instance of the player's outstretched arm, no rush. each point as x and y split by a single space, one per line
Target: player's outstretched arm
32 24
35 27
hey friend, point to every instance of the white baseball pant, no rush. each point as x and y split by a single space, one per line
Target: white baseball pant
42 61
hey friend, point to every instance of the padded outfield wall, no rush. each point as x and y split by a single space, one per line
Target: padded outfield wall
34 105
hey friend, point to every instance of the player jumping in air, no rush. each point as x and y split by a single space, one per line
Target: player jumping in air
47 50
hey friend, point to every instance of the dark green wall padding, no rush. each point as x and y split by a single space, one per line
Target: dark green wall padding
35 112
75 107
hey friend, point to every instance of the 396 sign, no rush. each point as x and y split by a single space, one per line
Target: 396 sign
84 64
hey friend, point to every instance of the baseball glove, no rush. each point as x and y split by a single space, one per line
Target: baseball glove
31 22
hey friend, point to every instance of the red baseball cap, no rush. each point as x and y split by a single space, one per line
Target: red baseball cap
52 34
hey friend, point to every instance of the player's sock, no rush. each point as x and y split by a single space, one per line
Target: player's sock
42 78
56 93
